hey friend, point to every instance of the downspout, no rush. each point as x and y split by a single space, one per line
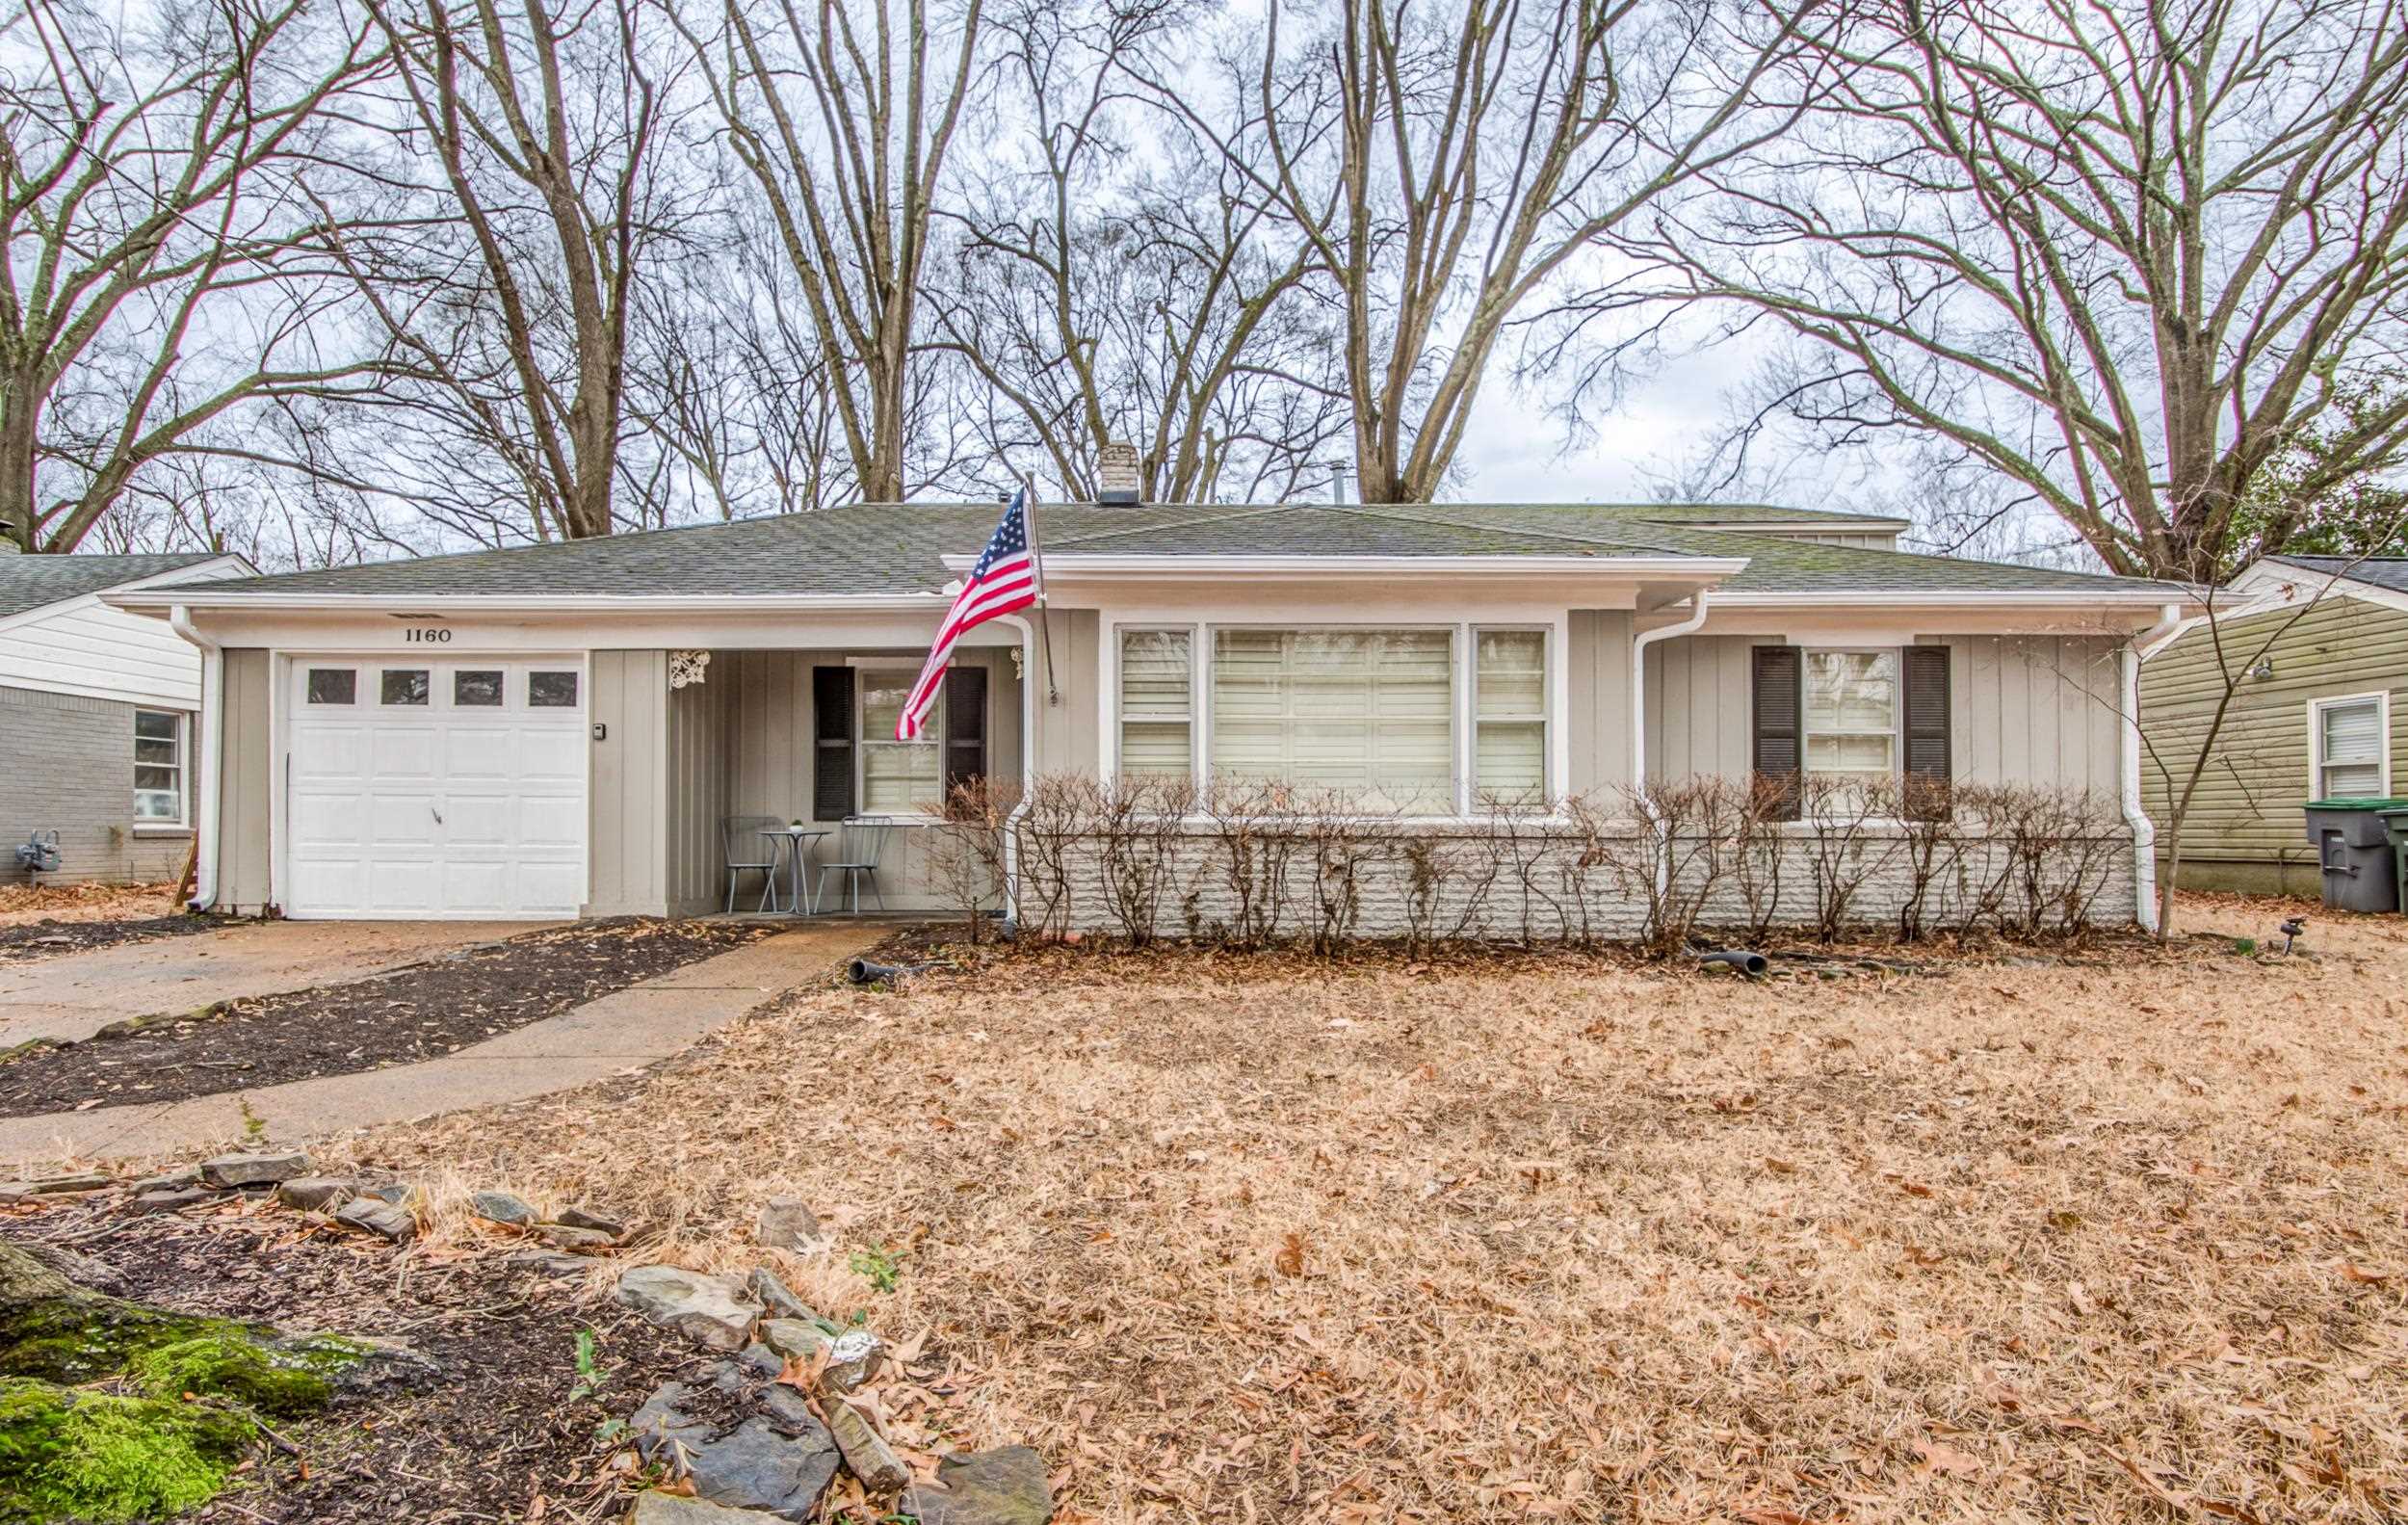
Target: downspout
211 768
2140 648
1639 643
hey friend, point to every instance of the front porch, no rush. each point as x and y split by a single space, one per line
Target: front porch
752 738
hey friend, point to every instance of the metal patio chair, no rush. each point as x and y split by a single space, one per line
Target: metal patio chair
742 841
859 847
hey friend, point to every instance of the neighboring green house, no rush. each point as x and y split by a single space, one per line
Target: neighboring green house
2320 714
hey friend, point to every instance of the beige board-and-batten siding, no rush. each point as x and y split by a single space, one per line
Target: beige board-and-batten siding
2036 710
2244 831
246 758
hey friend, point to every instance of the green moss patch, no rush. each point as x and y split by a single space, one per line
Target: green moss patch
283 1376
84 1455
81 1339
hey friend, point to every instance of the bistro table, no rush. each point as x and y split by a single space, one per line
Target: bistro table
802 897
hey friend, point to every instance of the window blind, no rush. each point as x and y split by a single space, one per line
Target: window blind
2353 750
1510 745
1157 688
897 777
1370 712
1851 713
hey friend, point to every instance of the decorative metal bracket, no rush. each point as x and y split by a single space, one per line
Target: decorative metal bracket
688 667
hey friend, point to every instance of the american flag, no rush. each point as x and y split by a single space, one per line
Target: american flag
1005 579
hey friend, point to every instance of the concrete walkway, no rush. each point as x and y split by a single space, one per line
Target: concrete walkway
632 1027
77 994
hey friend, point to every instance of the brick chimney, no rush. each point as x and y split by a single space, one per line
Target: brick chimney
1117 477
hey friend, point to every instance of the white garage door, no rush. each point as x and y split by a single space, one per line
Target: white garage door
424 788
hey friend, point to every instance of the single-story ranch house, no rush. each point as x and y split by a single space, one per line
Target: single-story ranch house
97 716
571 728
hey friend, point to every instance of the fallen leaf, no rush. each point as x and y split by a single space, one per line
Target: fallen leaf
1290 1261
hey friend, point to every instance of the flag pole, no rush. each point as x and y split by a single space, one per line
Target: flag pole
1036 563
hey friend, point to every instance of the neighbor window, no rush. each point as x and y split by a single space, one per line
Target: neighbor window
157 768
2352 739
1157 702
1509 717
899 778
1851 714
1367 712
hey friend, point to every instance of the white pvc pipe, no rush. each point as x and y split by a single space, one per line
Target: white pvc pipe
212 765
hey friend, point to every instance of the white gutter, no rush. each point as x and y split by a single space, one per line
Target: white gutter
2169 626
1070 564
446 603
211 768
1639 643
2144 594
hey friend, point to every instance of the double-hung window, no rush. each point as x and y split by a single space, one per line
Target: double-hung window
157 768
899 778
1510 718
1852 714
1157 702
2351 739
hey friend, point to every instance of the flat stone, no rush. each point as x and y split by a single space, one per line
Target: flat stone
567 1236
852 1357
1002 1487
780 1463
58 1185
715 1312
169 1201
654 1507
79 1268
776 1297
599 1223
397 1192
866 1453
551 1264
370 1216
315 1194
168 1181
229 1172
502 1207
787 1222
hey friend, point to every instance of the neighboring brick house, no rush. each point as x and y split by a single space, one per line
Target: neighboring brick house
100 717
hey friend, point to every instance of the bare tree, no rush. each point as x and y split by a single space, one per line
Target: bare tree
1114 279
1447 164
160 271
2116 255
842 113
507 283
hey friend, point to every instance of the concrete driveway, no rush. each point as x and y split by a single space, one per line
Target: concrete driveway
75 996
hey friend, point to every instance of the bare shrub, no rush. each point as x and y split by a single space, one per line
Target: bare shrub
1253 828
1053 818
1139 826
1676 860
2058 848
1931 851
969 854
1758 810
1846 841
1528 840
1345 840
1447 882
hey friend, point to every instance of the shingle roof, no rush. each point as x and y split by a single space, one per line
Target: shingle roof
30 582
895 548
2381 571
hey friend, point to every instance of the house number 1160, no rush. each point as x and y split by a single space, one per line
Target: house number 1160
427 633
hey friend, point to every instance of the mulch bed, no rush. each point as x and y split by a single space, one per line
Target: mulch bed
499 1436
399 1017
51 940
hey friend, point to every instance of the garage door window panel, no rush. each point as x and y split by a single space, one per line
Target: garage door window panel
406 687
333 686
551 690
478 688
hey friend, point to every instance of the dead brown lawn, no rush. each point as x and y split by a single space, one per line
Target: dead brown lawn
1239 1239
22 904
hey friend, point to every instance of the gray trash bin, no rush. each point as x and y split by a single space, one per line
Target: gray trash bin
2395 823
2355 852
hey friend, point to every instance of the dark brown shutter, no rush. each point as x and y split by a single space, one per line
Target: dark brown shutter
1780 686
965 726
831 751
1929 766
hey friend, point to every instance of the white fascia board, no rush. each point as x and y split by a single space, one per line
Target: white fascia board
1877 598
160 601
1169 568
